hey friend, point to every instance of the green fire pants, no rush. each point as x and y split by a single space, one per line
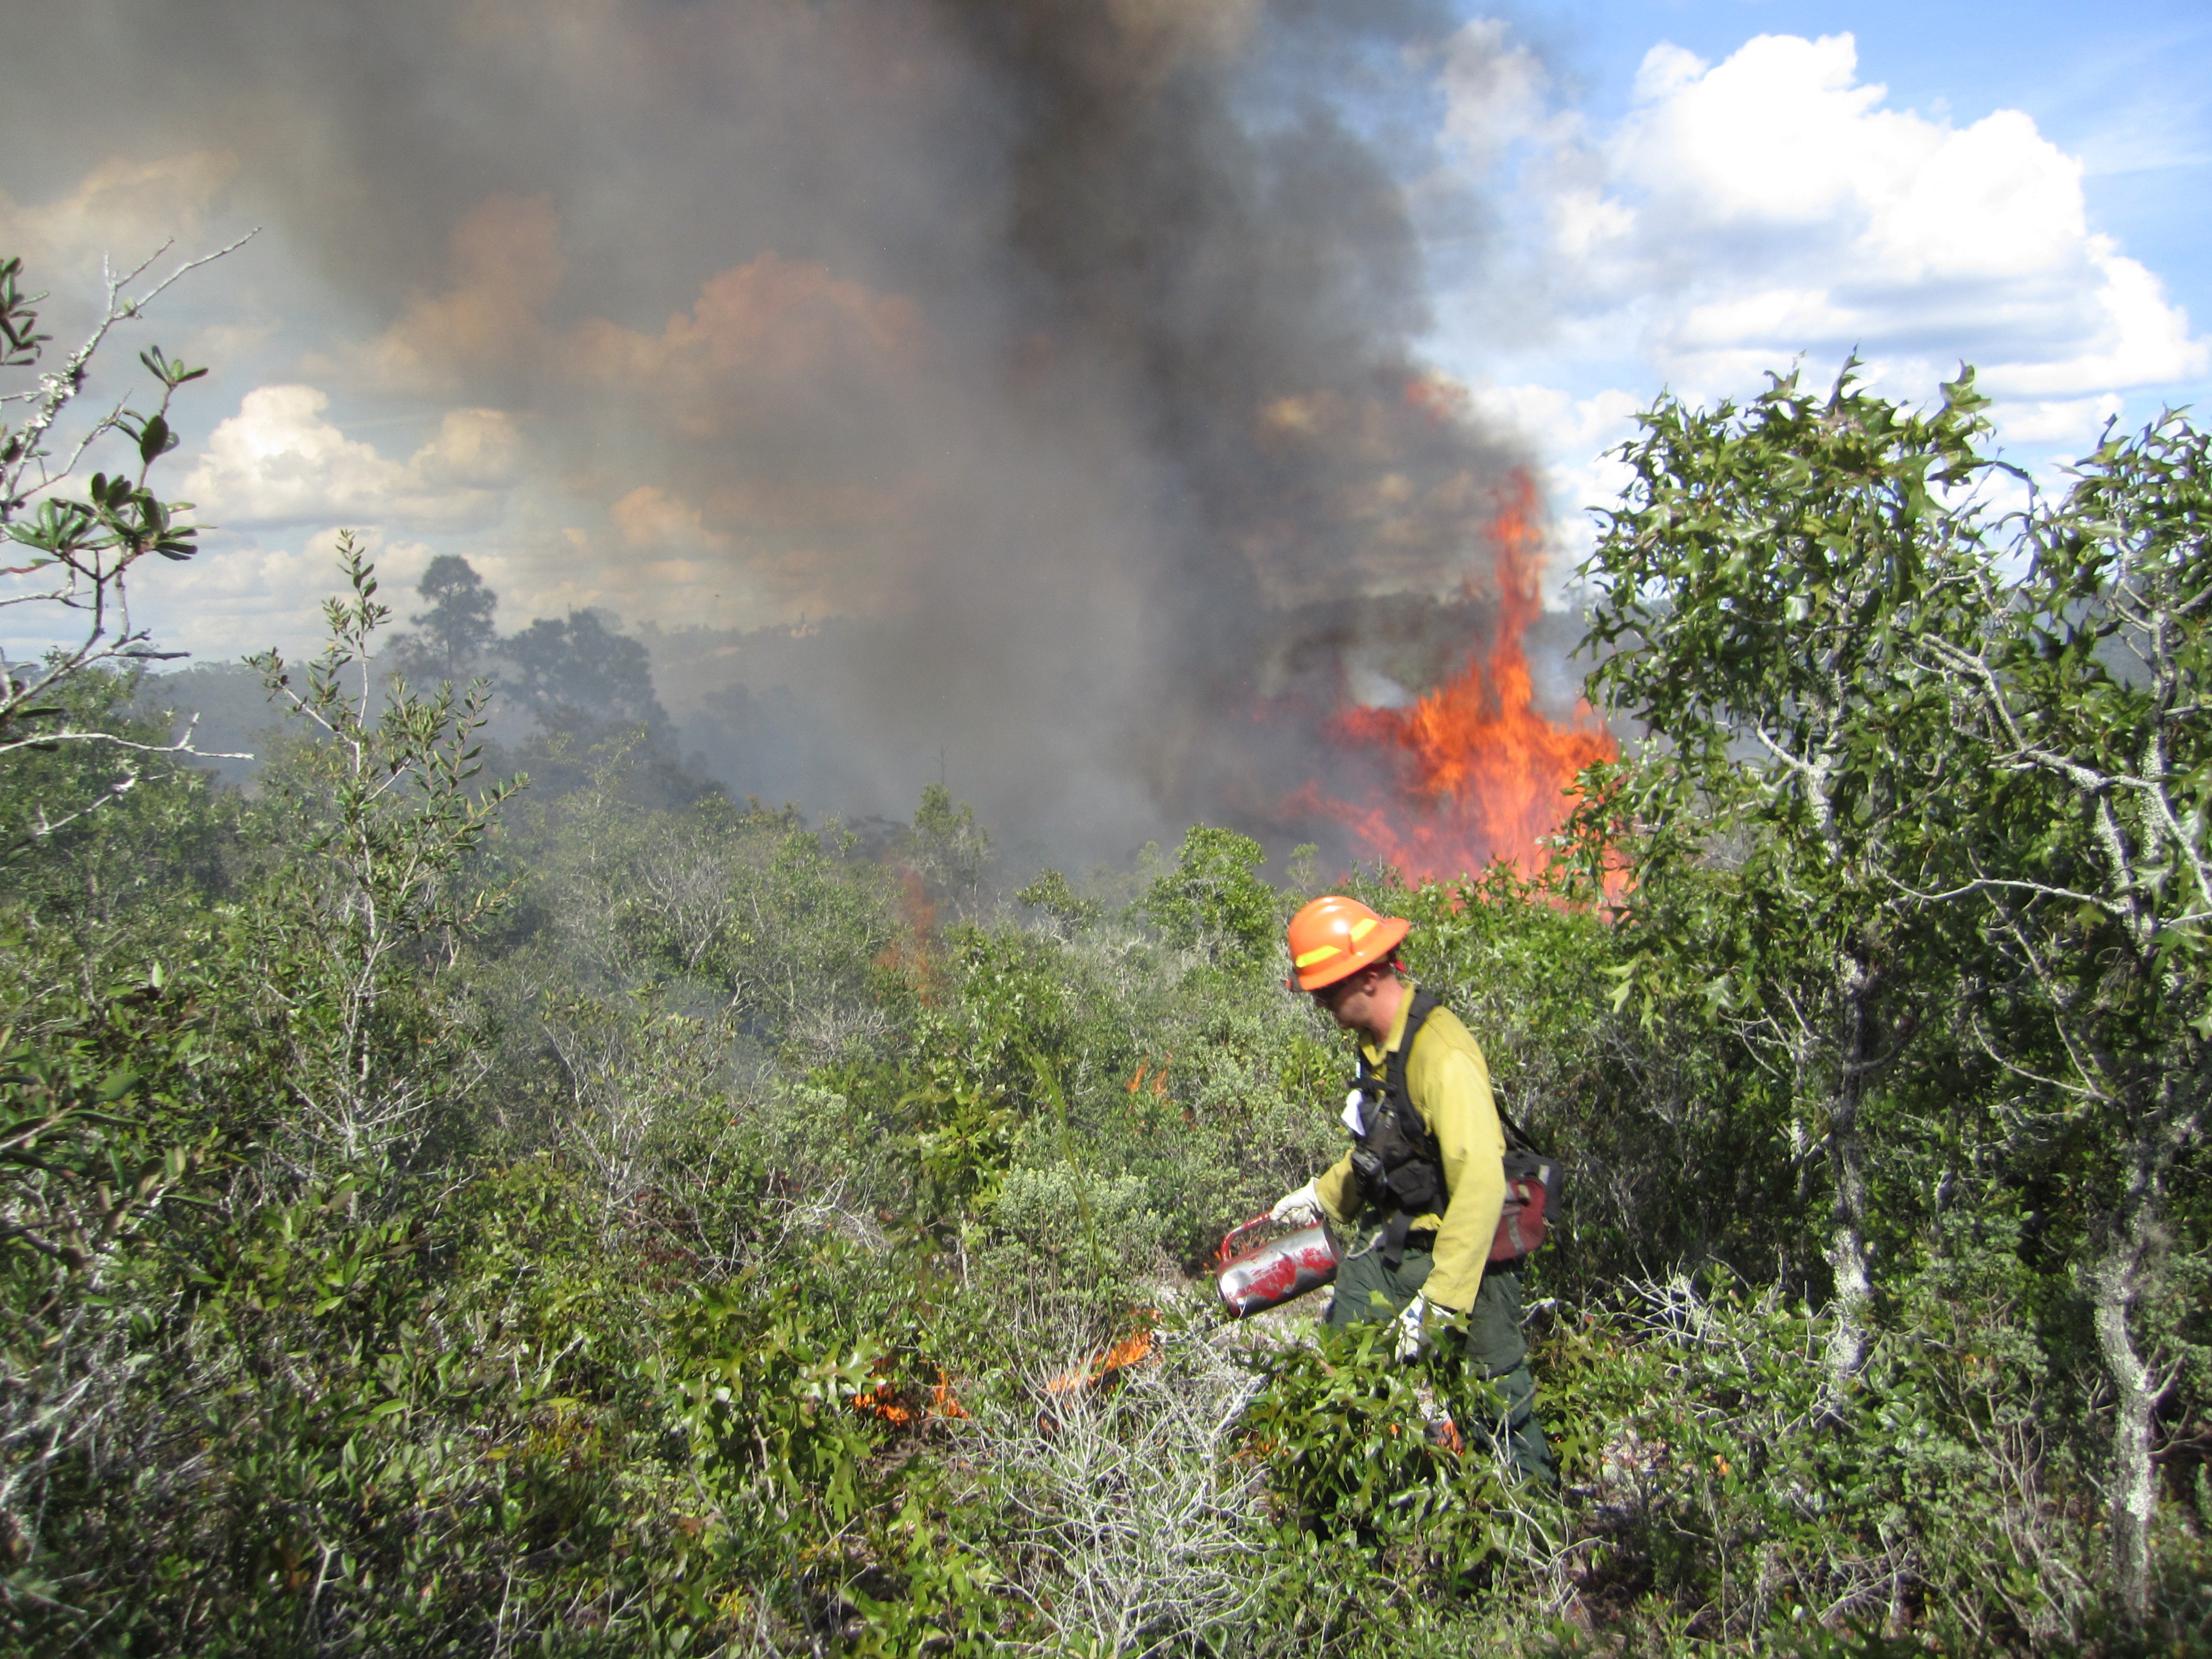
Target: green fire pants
1366 1289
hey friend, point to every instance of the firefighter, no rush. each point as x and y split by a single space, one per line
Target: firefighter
1426 1186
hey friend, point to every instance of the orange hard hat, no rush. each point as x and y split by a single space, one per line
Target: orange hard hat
1335 935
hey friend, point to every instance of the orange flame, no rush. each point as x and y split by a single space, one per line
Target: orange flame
1159 1078
908 956
883 1402
941 1399
1479 774
1128 1352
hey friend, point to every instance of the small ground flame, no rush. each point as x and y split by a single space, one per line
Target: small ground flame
1477 774
908 954
1129 1351
883 1402
941 1401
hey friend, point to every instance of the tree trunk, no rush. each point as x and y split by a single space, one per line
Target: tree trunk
2134 1483
1847 1247
2158 1129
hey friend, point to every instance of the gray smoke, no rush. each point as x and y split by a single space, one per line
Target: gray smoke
1058 359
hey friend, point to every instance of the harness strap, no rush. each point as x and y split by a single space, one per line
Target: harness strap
1390 1244
1515 1140
1394 1063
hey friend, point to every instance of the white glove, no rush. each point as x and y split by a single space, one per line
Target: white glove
1413 1332
1303 1206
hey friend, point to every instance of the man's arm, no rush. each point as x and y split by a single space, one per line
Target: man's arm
1452 1088
1339 1190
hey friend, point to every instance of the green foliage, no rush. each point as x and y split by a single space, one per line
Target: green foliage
81 551
384 802
1916 827
785 928
81 1170
1050 893
608 1219
1767 585
1343 1428
1762 571
1102 1225
2082 848
768 1389
1212 902
1732 1484
960 1136
104 841
947 846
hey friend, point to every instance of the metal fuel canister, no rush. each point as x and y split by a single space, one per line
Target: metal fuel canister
1262 1276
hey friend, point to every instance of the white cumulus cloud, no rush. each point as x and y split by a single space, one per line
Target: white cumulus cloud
236 599
1740 214
281 461
1744 212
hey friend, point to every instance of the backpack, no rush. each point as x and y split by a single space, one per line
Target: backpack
1534 1184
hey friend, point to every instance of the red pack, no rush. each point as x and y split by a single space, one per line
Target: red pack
1532 1184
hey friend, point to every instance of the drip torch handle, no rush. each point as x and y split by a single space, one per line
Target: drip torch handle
1239 1230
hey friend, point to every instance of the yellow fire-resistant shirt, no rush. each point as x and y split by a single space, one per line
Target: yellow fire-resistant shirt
1451 1087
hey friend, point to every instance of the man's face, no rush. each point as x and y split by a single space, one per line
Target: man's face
1350 1001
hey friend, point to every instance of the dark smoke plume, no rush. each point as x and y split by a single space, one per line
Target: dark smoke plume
1056 360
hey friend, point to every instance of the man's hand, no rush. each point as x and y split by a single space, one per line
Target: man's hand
1302 1207
1412 1328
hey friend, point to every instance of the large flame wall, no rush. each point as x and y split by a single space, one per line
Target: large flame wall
1473 772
